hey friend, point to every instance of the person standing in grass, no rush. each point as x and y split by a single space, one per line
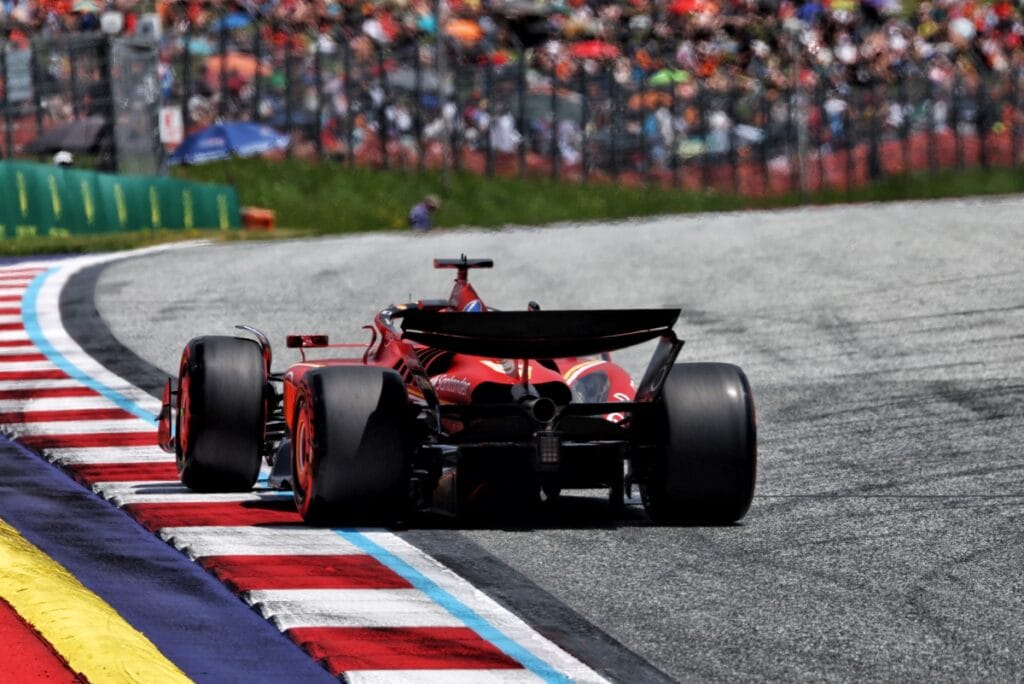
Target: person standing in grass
421 214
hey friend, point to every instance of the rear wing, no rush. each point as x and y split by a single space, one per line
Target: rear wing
536 334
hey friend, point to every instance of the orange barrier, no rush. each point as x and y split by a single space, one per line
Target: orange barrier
258 218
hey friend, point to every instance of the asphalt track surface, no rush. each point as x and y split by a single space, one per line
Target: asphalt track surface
884 344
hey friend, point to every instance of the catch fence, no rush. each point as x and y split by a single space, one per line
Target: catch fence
87 93
347 98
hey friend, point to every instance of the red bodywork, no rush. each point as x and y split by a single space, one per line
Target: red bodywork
456 377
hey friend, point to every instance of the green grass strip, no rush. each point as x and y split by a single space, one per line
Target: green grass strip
320 199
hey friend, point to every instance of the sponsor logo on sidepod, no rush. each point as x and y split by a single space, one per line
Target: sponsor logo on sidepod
452 385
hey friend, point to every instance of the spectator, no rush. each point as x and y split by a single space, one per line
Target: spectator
421 214
64 159
729 49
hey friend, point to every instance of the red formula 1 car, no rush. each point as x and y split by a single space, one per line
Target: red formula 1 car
453 407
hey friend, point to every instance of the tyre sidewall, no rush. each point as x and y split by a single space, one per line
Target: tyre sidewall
361 445
706 468
221 413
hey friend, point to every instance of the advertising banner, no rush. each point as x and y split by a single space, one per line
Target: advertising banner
41 200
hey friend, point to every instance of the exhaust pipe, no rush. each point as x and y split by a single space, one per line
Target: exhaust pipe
541 409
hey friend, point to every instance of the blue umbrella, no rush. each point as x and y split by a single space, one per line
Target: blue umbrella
235 20
222 140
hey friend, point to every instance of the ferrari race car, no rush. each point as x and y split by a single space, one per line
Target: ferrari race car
456 408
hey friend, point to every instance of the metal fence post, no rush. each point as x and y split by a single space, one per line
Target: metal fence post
645 152
819 135
874 158
702 117
904 101
73 76
1015 117
347 89
382 114
521 114
489 109
792 155
417 112
37 94
318 79
8 123
613 97
106 50
981 121
554 125
933 161
955 120
673 152
257 78
584 114
733 154
288 118
848 140
457 122
766 119
222 47
186 77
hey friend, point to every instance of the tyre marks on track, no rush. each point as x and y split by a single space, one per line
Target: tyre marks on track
365 604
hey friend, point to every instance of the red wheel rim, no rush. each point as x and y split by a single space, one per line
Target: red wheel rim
303 457
184 409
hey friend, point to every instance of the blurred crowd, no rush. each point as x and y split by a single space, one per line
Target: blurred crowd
339 70
734 39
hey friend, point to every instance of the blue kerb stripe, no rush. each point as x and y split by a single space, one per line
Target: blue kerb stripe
454 606
30 316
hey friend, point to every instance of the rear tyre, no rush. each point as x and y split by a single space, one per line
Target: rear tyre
351 446
221 414
706 469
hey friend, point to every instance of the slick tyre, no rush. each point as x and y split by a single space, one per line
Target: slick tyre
705 470
221 414
351 446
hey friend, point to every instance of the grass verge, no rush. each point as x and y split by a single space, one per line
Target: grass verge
316 199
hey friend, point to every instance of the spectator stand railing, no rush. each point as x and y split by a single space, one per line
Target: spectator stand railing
512 109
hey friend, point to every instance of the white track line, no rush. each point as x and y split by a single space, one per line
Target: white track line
55 404
65 456
22 349
198 542
18 366
441 677
290 608
124 493
38 384
84 427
